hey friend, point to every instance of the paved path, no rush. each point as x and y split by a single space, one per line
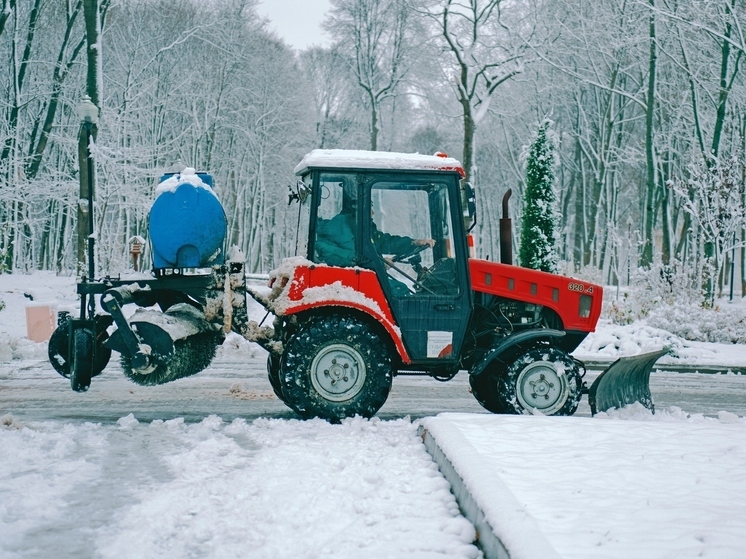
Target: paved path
229 388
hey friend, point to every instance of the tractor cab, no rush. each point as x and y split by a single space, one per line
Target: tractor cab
402 220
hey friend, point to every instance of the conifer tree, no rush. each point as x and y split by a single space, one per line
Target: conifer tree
538 241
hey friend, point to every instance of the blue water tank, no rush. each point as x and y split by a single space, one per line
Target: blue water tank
187 223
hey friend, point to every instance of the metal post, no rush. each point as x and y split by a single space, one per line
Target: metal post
91 236
732 264
88 113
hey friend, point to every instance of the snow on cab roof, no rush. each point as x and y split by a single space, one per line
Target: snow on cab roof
359 159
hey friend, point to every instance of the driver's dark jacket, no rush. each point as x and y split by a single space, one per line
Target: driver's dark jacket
335 240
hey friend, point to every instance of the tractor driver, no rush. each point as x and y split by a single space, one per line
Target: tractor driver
335 242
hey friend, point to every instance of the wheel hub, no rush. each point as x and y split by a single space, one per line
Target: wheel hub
542 387
338 372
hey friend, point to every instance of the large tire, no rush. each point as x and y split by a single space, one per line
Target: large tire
335 367
59 347
273 373
485 387
81 368
542 380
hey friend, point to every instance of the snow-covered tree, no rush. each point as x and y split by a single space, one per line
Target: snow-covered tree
487 43
538 239
374 36
713 198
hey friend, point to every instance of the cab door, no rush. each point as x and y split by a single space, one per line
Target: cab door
421 261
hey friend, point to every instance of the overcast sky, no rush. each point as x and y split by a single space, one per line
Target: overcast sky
297 22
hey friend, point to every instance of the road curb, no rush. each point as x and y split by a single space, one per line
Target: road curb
488 542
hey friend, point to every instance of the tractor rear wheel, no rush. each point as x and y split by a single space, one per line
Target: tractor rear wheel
335 367
544 380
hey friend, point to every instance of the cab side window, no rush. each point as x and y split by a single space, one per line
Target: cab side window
336 223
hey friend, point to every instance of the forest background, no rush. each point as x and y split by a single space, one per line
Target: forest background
646 98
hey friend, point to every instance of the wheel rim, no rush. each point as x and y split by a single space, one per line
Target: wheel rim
540 386
338 372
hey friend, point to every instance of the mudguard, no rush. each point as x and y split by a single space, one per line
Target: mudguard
525 339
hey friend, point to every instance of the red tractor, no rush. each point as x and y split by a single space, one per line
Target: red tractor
384 284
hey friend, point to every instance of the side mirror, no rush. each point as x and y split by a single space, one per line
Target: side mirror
299 193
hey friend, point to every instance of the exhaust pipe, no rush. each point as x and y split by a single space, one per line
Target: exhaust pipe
506 232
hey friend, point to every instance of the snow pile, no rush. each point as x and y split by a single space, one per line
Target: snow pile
272 488
614 341
664 485
19 291
360 159
724 323
187 176
611 341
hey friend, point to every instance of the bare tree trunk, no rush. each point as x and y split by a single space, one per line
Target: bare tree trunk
649 217
19 78
61 70
7 10
725 83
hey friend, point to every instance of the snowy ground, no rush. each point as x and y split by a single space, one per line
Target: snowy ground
627 484
620 485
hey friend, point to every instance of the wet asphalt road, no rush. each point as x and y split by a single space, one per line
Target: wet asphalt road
232 388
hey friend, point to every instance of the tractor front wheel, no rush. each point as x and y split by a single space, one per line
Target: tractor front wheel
335 367
543 380
485 388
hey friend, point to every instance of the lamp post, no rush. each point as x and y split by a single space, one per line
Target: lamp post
88 114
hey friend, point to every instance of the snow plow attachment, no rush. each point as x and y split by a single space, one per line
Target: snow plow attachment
626 381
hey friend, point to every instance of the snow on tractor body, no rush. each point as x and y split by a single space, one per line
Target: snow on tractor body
382 284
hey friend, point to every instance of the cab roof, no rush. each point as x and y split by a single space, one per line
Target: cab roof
384 160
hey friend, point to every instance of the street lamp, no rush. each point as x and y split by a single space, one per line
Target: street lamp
88 114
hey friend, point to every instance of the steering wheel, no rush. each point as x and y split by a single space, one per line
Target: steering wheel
410 254
440 277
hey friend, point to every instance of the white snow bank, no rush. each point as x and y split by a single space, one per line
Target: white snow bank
15 289
611 341
652 486
268 489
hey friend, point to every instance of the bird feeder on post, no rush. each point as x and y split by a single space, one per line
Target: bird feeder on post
136 244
